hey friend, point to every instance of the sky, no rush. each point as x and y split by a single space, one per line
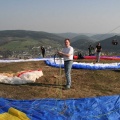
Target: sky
60 16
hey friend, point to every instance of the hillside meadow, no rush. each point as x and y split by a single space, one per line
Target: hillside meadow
85 83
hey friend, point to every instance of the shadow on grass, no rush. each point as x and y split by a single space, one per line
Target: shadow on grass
46 85
116 70
36 84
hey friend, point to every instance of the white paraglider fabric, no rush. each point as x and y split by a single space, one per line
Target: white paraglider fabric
21 78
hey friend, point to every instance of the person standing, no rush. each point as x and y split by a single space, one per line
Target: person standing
90 50
67 54
43 51
98 50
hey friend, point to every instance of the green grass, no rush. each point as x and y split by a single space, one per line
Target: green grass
20 44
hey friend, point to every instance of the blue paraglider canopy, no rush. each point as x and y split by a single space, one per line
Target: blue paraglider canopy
94 108
91 66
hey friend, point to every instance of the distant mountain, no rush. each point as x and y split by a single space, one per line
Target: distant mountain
80 37
22 39
72 35
67 35
100 37
108 46
30 34
82 42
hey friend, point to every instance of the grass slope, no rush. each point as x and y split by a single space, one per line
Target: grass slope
85 83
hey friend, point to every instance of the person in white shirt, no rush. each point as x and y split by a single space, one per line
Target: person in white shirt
67 54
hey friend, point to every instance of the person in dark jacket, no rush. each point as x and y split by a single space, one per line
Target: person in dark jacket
43 51
90 50
98 50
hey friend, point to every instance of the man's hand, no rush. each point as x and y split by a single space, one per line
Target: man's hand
60 53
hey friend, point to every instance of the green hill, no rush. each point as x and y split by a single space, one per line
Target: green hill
22 39
82 42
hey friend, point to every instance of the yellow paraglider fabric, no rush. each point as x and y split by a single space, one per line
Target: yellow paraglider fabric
13 114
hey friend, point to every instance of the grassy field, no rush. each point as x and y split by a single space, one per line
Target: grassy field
85 83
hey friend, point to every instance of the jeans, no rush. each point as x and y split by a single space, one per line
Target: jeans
68 67
98 56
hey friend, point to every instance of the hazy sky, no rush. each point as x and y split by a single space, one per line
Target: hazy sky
58 16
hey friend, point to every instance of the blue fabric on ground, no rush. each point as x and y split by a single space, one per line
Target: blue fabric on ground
86 66
94 108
